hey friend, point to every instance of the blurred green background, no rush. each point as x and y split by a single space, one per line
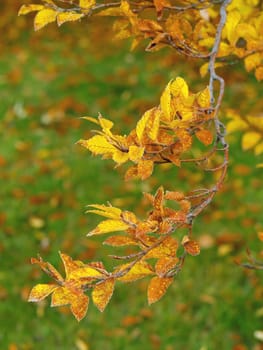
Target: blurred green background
48 80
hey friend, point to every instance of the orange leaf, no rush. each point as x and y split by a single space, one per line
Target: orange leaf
79 305
41 291
102 293
158 199
260 236
205 136
157 288
131 173
174 195
165 264
190 246
129 218
145 169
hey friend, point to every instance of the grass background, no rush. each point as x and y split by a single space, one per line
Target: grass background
47 81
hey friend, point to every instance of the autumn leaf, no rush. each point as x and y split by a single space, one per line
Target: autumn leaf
44 17
86 4
139 270
25 9
102 293
68 17
205 136
165 264
136 153
190 246
98 145
250 139
145 169
157 288
41 291
107 226
104 210
119 241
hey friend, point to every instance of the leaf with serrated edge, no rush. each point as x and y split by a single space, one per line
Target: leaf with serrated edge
165 102
44 17
41 291
25 9
157 288
119 241
79 305
107 211
102 293
98 145
139 270
68 17
109 226
141 125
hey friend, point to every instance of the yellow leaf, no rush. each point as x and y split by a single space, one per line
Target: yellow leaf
85 272
157 288
105 124
179 87
63 17
252 61
259 73
86 4
24 9
41 291
250 139
136 153
60 297
44 17
120 157
203 98
98 145
109 226
236 124
259 149
139 270
142 123
229 31
165 102
154 123
107 211
102 293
